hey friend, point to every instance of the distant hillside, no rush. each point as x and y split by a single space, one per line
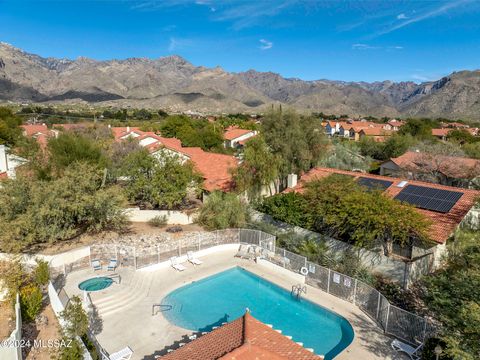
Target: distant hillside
175 84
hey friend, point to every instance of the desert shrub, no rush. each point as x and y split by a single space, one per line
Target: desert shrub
30 301
41 273
13 277
158 221
221 211
72 352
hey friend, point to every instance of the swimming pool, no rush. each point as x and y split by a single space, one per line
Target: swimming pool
95 284
224 297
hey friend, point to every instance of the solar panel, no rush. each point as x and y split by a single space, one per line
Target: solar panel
429 198
374 184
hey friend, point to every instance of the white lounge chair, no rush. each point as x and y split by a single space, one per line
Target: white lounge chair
193 259
412 352
96 265
176 265
124 354
244 252
112 265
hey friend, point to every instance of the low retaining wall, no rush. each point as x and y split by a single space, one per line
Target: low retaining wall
172 216
12 349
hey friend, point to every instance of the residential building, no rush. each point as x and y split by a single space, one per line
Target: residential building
40 132
215 168
443 223
394 125
376 133
236 137
445 170
441 133
245 338
8 163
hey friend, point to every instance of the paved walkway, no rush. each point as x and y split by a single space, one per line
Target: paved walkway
125 310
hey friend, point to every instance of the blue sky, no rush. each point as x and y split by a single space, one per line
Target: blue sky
338 40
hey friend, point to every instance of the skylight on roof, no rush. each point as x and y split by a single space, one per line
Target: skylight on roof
402 184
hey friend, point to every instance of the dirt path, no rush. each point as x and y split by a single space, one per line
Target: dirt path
41 333
7 320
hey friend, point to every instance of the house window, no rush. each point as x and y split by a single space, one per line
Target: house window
403 251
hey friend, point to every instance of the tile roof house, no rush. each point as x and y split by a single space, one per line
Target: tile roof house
446 170
441 133
9 163
234 136
443 224
245 338
215 168
394 124
377 133
40 132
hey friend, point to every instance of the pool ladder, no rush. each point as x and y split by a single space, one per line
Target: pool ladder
297 290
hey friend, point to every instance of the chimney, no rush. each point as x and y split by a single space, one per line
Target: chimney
128 128
109 126
291 180
3 159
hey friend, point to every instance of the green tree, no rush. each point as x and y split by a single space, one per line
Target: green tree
291 208
36 211
343 209
452 297
298 141
418 128
159 183
75 318
10 131
472 150
258 170
461 136
346 156
69 148
222 210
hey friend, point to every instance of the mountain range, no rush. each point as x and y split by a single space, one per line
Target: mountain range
174 84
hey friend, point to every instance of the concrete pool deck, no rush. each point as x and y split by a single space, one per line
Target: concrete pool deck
125 310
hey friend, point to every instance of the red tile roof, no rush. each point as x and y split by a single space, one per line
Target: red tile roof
119 132
245 338
451 166
376 131
31 130
443 224
233 132
215 168
441 132
3 175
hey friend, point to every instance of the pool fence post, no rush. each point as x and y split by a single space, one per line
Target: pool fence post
378 304
424 329
328 282
89 256
284 257
355 292
388 315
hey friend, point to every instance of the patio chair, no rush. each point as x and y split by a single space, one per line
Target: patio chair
112 265
96 265
124 354
193 259
412 352
176 265
244 252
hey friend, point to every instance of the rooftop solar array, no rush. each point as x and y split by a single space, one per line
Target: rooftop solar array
374 184
429 198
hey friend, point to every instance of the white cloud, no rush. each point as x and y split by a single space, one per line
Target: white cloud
363 47
402 16
427 15
265 44
396 47
178 44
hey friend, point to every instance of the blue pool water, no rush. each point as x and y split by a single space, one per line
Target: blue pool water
95 284
224 297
